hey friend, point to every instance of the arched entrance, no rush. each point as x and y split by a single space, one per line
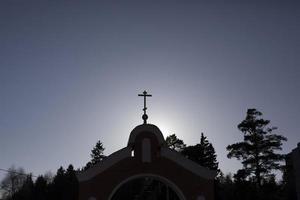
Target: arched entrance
146 187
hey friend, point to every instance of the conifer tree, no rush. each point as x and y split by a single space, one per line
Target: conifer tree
175 143
97 153
26 192
58 185
71 188
257 150
64 185
40 188
202 153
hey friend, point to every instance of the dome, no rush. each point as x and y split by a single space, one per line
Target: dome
149 129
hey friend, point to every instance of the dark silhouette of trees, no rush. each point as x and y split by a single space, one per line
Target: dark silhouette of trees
175 143
26 191
236 187
97 155
202 153
288 180
224 187
63 187
40 188
257 151
13 181
71 188
56 188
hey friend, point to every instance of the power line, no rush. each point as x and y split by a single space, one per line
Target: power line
23 174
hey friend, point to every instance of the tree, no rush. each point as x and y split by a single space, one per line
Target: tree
64 185
71 187
203 153
26 190
175 143
48 176
257 151
224 187
58 185
40 188
13 181
97 155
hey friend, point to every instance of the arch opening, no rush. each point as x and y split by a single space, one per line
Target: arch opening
146 187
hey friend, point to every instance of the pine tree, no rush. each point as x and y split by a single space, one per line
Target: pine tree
97 153
257 151
58 185
203 153
40 188
64 185
71 188
175 143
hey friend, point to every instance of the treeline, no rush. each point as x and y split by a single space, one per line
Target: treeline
259 153
19 186
202 153
237 187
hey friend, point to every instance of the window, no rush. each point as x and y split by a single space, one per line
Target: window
146 150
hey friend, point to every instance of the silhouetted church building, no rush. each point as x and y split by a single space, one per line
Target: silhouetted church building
146 169
293 173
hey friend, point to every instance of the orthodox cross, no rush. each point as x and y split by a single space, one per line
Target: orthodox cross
145 95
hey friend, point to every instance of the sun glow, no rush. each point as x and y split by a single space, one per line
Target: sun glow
165 126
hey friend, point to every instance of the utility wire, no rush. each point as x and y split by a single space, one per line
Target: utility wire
10 171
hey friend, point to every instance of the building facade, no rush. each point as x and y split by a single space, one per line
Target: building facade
146 169
293 173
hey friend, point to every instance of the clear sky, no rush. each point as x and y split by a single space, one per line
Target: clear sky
70 72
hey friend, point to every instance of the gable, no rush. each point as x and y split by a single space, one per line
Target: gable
136 146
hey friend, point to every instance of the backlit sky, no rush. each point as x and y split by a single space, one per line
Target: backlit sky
70 72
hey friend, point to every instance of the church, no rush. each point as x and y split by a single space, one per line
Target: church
146 169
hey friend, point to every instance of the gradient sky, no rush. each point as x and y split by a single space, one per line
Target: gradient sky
70 72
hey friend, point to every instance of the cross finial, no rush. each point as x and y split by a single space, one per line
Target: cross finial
145 116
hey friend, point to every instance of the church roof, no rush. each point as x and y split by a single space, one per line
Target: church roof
165 152
150 128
